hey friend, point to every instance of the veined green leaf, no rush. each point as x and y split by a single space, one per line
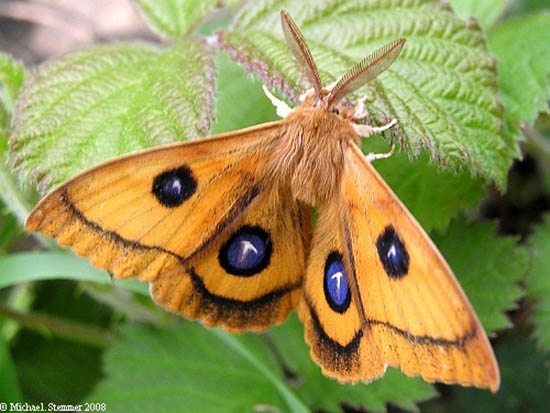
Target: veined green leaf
193 368
442 89
174 18
538 282
523 49
108 100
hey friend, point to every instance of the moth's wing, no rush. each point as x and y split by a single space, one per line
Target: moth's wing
333 323
250 277
157 213
413 312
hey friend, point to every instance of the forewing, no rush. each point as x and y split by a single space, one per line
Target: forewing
162 214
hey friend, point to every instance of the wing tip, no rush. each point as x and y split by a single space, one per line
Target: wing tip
34 219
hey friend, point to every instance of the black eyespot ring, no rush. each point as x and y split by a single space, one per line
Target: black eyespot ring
335 111
335 283
247 252
173 187
393 253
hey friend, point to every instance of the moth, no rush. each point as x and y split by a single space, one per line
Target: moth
221 229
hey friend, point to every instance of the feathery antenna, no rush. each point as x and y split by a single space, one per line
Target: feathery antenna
367 69
299 48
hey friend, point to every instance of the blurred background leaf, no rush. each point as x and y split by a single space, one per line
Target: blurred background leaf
523 50
486 12
9 384
173 19
538 282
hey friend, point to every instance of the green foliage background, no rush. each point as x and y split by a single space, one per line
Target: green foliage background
470 92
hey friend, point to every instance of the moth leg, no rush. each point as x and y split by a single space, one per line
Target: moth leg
365 131
282 108
374 156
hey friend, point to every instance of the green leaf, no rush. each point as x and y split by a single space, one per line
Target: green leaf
523 49
56 370
10 231
12 76
524 7
5 119
234 85
538 282
174 18
488 268
23 267
525 384
325 394
487 12
108 100
197 369
442 89
9 385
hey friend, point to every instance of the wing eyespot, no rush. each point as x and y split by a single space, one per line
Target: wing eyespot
335 283
247 252
393 253
172 187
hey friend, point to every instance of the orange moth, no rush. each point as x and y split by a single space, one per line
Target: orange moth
221 229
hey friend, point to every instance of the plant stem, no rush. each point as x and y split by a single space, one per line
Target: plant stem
16 201
71 330
11 195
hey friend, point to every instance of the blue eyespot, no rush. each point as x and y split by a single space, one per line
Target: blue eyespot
174 186
335 283
392 253
247 252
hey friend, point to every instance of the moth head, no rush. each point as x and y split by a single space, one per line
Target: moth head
331 97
